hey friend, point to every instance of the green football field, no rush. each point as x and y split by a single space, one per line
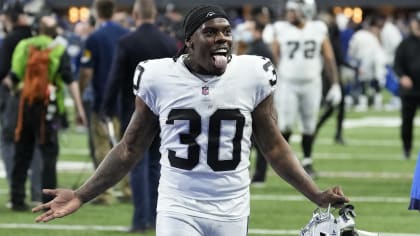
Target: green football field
370 168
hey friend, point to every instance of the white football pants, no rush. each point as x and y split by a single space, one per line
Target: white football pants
301 100
177 224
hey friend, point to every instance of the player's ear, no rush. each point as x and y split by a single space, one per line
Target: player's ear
189 44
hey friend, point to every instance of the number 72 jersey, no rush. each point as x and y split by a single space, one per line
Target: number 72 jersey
205 123
300 50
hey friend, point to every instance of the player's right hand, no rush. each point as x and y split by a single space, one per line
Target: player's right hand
64 203
406 82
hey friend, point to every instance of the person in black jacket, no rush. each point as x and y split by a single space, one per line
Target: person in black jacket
407 68
18 28
146 42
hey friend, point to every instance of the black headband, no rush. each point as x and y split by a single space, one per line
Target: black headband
200 14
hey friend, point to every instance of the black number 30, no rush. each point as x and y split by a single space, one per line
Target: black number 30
215 125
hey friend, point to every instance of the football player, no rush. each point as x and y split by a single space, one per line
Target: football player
207 102
302 48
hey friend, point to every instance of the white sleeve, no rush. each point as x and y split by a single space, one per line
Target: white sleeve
323 27
268 34
143 86
267 80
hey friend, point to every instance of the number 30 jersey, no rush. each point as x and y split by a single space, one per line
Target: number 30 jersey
205 123
300 50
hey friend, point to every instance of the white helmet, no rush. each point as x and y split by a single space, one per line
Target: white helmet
306 7
323 223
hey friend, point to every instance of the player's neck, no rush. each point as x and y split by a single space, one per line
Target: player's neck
194 68
301 24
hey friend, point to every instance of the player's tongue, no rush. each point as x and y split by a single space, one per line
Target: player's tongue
220 61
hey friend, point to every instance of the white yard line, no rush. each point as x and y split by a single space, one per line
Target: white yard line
360 175
376 121
74 151
122 228
357 156
365 175
62 166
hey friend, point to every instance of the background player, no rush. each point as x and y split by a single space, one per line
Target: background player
302 47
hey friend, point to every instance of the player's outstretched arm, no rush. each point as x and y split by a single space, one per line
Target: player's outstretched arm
140 132
279 154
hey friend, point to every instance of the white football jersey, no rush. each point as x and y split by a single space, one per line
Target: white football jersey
300 50
205 123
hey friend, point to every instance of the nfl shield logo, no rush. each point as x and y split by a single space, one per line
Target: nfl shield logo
205 90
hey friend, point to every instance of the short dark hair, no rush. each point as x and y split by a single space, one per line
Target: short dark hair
196 17
377 20
105 8
260 10
259 26
146 8
200 14
48 26
12 10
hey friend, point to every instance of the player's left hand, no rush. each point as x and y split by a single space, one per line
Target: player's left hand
334 95
333 196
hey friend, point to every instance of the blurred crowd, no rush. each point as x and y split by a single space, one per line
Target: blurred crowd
388 31
365 54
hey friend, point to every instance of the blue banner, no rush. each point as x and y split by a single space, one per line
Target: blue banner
415 188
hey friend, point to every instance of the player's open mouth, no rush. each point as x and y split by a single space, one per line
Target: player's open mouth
219 57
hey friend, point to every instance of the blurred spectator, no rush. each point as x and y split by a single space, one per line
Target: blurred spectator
171 23
365 49
390 38
122 18
83 30
242 35
38 125
2 29
146 42
262 15
407 67
18 28
95 66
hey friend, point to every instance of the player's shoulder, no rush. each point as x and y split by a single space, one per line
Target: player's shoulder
318 25
280 26
256 68
250 62
157 65
150 70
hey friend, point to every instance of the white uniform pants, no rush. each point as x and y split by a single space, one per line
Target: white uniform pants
299 99
177 224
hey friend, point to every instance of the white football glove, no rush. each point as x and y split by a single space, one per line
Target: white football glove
334 95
